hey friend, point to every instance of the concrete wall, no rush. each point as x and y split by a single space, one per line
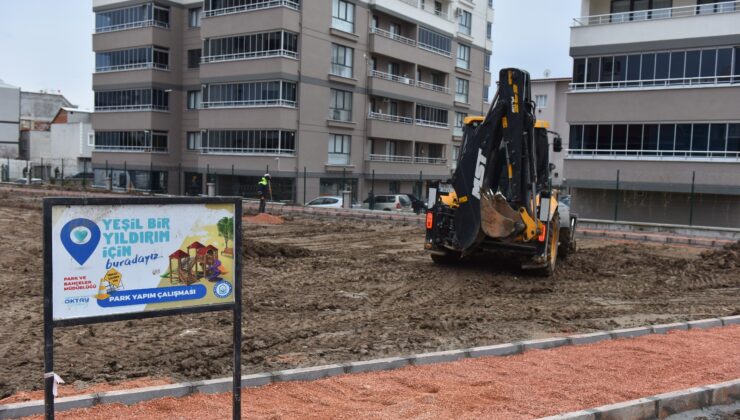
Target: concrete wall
658 207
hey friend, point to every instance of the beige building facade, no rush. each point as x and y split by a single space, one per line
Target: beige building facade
324 95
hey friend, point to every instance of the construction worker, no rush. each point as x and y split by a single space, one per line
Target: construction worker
265 190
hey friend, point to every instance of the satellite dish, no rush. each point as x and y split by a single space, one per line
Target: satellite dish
547 73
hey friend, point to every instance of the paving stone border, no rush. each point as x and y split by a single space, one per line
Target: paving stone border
662 405
724 393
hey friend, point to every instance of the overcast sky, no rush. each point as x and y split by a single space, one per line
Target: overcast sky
47 44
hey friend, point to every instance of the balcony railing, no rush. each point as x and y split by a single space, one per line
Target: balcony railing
138 149
132 25
248 56
268 103
391 77
657 83
430 160
390 158
435 50
389 118
428 7
652 154
431 86
246 151
131 108
295 5
393 36
433 124
137 66
655 14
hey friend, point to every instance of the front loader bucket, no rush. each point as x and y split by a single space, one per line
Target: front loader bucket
498 219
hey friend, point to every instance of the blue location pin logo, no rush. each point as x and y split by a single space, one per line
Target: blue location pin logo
80 237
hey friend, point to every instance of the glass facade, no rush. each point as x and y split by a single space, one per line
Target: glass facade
343 16
258 45
340 105
148 14
250 94
431 116
132 100
339 149
269 142
434 41
685 140
463 56
341 60
658 69
131 141
223 7
462 90
133 58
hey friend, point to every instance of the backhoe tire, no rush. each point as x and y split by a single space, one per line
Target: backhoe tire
552 247
448 258
566 246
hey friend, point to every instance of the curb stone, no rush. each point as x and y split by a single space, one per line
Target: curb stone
724 393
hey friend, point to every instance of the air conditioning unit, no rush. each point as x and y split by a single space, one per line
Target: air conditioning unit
458 12
386 100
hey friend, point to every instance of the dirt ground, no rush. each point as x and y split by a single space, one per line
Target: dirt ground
325 291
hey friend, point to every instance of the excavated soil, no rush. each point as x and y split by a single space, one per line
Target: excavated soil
320 291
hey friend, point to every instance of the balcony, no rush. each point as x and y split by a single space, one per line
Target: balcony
272 14
383 83
142 35
267 4
676 23
443 12
389 118
397 46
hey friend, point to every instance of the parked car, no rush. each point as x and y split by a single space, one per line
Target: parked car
24 181
389 202
326 202
417 204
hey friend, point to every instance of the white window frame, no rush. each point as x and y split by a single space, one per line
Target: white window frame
342 61
340 146
463 56
343 16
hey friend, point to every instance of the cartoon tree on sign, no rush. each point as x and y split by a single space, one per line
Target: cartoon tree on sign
226 229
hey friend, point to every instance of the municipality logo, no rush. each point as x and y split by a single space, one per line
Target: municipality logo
222 289
80 237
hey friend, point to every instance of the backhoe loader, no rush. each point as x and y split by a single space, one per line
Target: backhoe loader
500 197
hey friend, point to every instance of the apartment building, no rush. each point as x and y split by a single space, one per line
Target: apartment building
550 96
653 110
324 95
10 111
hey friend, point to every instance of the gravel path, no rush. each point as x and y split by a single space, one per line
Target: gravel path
534 384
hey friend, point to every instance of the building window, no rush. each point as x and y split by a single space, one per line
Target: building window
489 30
243 47
540 101
463 56
490 4
250 94
341 60
134 141
431 117
434 41
269 142
132 100
465 22
668 140
462 89
194 17
139 16
487 62
710 66
132 59
455 153
486 88
193 140
459 123
339 149
194 99
343 16
340 106
194 58
715 6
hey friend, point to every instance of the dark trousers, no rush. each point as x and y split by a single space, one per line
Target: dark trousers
263 203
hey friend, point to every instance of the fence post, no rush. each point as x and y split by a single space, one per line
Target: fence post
43 171
691 199
304 184
372 192
344 179
61 181
180 187
421 184
151 178
84 174
125 176
616 198
233 182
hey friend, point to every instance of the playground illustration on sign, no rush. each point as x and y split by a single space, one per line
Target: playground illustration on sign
122 259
